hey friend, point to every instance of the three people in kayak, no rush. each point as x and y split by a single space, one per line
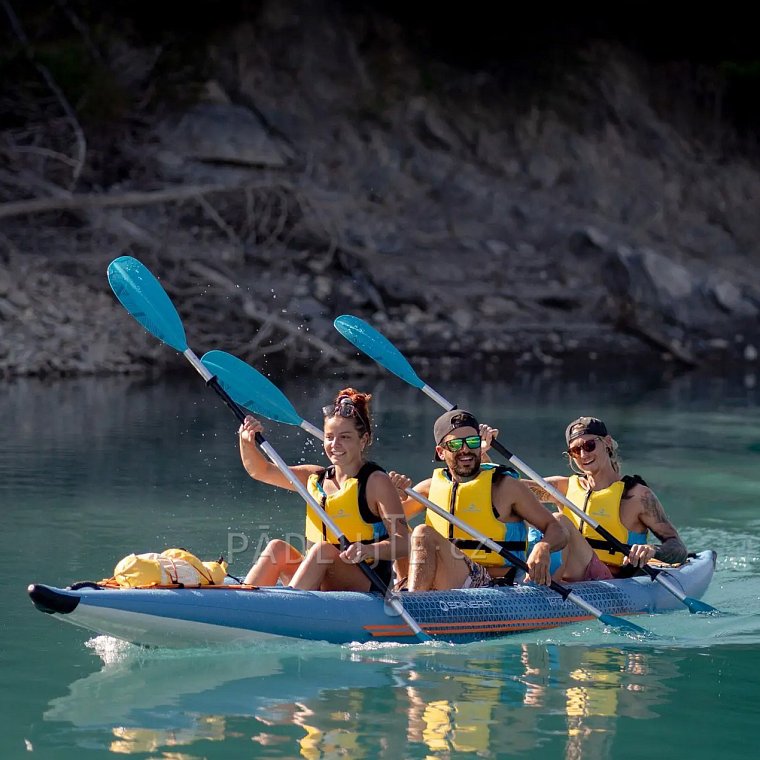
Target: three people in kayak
371 507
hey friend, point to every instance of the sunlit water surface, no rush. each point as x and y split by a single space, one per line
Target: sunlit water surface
93 470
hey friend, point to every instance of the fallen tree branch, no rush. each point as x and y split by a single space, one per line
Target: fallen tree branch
98 200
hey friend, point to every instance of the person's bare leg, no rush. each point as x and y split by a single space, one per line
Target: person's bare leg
278 561
575 556
435 563
324 569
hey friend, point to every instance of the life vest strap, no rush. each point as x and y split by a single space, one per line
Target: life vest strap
598 543
469 543
364 541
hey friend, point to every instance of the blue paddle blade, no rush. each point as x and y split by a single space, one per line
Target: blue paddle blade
249 388
377 347
695 605
143 297
625 626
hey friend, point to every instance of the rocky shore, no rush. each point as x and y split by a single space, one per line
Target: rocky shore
319 164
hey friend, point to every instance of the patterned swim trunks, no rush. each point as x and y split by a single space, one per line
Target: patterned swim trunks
478 576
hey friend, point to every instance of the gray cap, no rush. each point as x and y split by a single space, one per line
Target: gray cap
451 420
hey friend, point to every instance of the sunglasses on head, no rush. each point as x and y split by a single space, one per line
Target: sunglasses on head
587 446
455 444
344 408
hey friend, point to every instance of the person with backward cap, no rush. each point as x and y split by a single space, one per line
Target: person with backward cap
489 498
623 504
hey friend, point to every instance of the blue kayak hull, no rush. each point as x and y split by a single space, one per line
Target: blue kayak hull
191 617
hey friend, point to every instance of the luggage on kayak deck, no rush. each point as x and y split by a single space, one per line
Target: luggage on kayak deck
171 567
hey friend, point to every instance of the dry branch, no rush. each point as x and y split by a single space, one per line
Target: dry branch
86 201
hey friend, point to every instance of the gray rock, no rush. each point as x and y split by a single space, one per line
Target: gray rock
219 132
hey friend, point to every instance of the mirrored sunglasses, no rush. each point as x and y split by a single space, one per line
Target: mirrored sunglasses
455 444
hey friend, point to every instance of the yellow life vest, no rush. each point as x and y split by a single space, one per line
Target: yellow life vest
348 509
472 502
604 507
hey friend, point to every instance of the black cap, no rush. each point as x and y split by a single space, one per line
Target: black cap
585 426
452 420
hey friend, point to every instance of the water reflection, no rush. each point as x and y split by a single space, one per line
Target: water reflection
475 705
324 701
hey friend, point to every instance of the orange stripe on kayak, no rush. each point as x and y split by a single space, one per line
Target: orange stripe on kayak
486 626
452 624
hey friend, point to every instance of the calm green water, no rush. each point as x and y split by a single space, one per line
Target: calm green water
94 470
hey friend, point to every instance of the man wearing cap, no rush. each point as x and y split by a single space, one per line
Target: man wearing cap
624 505
487 497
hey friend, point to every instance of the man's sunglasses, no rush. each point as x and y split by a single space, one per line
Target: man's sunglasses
455 444
587 446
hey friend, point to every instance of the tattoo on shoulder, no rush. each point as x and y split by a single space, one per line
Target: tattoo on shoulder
652 506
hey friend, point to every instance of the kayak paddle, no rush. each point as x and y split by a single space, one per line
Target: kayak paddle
379 348
252 390
145 299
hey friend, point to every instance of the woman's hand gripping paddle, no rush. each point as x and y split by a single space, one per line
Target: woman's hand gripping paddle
379 348
143 297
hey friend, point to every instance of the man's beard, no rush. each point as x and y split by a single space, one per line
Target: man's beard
465 471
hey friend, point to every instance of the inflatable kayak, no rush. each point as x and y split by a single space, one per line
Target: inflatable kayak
188 617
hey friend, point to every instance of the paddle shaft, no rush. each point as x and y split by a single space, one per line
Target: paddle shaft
277 460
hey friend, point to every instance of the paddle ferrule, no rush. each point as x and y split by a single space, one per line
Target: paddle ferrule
191 356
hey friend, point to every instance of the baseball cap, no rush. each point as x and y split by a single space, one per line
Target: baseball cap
451 420
585 426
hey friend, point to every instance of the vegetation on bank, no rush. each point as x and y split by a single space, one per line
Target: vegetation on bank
555 187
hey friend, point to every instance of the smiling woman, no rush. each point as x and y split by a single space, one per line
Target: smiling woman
355 493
